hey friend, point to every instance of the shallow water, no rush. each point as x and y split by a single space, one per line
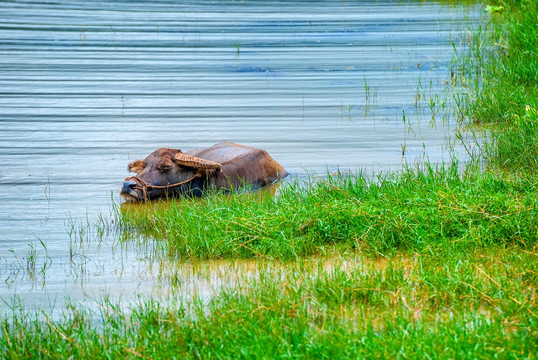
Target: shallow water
86 87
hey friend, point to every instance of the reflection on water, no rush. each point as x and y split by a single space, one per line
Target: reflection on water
88 86
149 207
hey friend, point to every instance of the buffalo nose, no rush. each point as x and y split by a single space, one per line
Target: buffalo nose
127 186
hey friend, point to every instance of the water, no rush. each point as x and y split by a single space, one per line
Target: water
86 87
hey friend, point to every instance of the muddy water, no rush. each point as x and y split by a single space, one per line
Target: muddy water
85 87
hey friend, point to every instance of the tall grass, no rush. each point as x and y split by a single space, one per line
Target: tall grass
500 73
412 211
515 147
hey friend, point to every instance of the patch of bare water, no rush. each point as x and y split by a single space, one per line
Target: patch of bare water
88 86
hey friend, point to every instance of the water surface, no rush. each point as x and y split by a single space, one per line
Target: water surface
86 87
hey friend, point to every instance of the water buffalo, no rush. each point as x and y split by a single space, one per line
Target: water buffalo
170 172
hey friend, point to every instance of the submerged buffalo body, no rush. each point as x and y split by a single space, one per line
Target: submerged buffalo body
170 172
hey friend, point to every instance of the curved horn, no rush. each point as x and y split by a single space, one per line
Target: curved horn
196 162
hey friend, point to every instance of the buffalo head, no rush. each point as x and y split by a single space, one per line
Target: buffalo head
163 173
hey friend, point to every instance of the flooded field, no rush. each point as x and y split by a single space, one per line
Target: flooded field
86 87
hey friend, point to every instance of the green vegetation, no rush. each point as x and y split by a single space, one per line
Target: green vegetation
415 211
476 304
500 74
428 263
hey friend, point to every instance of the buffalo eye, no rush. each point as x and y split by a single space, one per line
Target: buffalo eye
164 168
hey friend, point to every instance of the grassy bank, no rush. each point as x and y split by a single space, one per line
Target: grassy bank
473 304
432 263
417 211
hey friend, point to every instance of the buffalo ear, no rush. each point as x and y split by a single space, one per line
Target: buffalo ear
136 166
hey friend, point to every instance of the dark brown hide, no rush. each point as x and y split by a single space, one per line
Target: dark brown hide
169 172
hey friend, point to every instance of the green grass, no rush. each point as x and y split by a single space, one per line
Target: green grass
468 304
414 211
515 147
500 75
